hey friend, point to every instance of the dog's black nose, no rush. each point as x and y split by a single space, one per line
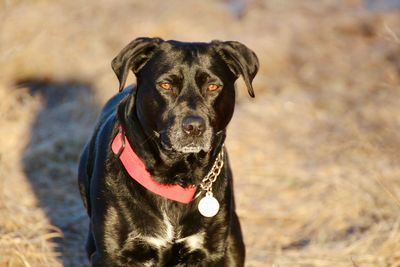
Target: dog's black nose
193 125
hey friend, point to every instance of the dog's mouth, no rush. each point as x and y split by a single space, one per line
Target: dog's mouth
181 148
180 144
192 148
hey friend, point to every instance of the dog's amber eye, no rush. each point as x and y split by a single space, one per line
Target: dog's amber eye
166 86
213 87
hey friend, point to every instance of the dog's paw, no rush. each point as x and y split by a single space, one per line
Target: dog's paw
193 258
181 255
138 254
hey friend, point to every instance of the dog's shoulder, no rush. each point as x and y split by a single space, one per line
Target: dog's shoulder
107 116
112 104
102 131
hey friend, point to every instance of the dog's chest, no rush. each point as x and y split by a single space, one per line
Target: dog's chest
168 235
163 238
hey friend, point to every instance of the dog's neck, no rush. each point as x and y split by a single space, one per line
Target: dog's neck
166 167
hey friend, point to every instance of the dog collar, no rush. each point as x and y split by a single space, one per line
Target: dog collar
137 170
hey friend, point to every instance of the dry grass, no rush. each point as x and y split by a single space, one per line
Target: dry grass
315 155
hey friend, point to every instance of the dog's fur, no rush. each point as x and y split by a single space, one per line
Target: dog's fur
131 226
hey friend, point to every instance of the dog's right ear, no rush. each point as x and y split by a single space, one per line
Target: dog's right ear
133 57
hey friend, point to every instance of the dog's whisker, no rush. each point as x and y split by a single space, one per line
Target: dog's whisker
157 134
148 138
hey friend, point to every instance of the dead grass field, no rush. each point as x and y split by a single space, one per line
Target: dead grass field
315 155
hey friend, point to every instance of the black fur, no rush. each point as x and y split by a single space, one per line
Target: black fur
130 226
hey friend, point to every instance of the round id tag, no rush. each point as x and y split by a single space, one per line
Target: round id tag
208 205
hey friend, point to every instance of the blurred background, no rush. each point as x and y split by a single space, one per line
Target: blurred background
315 155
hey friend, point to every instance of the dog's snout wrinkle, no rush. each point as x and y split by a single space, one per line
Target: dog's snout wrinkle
193 125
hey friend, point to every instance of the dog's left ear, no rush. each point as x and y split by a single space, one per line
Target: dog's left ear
133 57
240 60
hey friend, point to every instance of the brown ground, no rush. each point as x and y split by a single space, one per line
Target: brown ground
315 154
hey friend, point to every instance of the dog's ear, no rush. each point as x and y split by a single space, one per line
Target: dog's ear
133 57
240 60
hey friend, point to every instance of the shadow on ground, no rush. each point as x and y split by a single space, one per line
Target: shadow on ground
58 134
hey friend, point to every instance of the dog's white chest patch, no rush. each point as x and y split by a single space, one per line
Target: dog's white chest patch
193 242
169 229
168 236
164 238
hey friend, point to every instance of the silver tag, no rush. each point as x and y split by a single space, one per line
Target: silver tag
208 205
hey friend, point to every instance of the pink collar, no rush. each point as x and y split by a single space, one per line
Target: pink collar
137 170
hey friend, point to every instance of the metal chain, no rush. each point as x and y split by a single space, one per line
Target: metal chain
211 177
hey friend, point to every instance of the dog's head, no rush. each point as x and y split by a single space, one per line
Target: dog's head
185 91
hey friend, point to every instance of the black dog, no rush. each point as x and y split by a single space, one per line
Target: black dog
154 177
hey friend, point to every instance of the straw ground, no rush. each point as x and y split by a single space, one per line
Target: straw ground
315 155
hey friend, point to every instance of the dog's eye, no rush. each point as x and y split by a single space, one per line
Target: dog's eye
213 87
166 86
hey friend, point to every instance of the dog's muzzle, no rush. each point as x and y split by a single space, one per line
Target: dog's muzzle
192 135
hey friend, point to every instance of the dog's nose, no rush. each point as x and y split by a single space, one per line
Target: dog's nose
193 125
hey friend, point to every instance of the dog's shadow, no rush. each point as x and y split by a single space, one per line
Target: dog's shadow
61 128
